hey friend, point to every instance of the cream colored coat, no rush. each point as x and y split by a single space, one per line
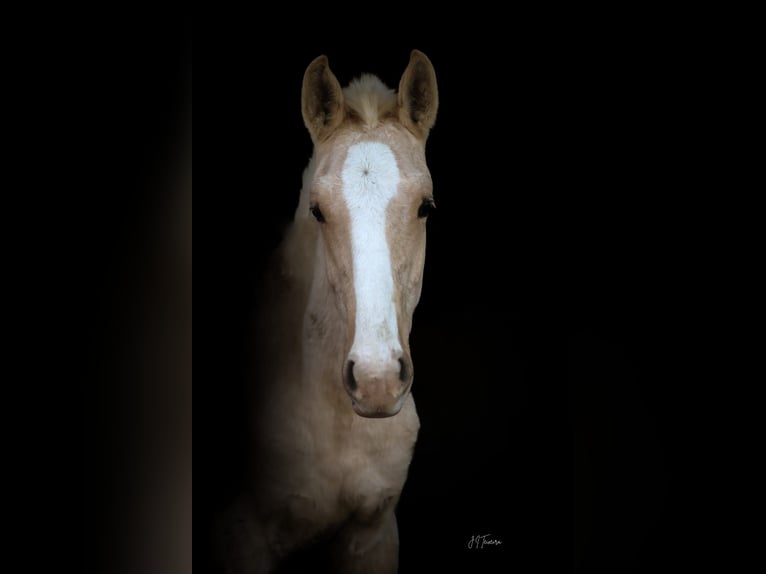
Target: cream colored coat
334 436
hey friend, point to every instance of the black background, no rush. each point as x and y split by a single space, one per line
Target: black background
554 343
548 342
113 92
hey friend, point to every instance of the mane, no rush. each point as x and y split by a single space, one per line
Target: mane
370 99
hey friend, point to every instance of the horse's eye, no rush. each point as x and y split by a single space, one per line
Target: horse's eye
317 213
426 207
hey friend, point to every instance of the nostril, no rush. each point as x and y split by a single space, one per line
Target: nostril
350 380
404 371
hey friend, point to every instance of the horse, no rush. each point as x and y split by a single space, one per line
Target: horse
336 424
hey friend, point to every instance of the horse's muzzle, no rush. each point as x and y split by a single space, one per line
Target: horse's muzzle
378 388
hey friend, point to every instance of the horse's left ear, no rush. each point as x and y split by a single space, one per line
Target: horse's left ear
418 95
321 99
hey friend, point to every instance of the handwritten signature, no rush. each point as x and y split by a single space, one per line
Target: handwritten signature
479 541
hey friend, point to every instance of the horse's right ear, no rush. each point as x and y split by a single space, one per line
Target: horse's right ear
321 100
418 95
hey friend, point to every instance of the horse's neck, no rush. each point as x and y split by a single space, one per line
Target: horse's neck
310 314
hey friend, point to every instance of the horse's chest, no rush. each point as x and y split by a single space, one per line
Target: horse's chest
331 472
363 470
369 479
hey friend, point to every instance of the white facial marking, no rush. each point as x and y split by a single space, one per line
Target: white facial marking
370 179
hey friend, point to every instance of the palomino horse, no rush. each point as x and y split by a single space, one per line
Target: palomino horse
336 424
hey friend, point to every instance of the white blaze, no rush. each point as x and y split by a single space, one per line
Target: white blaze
370 179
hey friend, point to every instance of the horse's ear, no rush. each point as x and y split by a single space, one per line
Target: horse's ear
418 95
321 99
